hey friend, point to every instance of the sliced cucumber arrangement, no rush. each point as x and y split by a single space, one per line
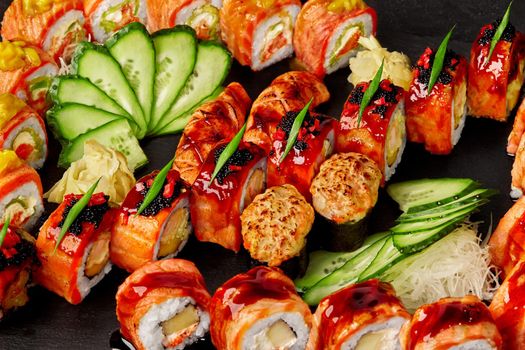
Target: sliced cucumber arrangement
432 209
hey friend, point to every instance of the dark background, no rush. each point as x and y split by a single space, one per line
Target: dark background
49 322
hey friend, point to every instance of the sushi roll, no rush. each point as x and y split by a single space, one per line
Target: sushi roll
105 17
437 119
344 193
216 207
363 316
81 260
259 309
518 171
314 144
259 33
452 323
160 231
327 33
211 123
17 255
55 26
201 15
275 225
22 130
290 91
164 305
518 129
494 82
507 308
26 71
21 197
381 133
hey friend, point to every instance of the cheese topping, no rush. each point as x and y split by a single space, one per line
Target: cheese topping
15 55
10 105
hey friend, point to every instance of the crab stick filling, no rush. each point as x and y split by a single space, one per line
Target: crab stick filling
118 15
62 38
277 36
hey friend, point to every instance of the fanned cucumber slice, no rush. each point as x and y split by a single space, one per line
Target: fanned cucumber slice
176 51
212 66
74 89
96 64
116 134
387 257
133 49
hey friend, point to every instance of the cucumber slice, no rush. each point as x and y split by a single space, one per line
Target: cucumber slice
472 204
176 51
70 120
385 259
211 68
74 89
133 49
116 134
424 194
96 64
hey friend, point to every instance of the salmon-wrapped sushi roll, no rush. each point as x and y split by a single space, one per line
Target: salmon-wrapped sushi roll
22 130
17 254
437 119
259 33
160 231
367 315
201 15
259 309
452 323
518 129
55 26
105 17
81 259
507 308
518 171
26 71
210 124
327 32
163 305
21 196
216 207
494 83
314 144
381 134
288 92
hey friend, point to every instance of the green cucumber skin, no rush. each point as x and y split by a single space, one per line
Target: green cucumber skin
474 204
387 257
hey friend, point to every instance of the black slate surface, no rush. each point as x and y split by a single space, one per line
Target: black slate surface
49 322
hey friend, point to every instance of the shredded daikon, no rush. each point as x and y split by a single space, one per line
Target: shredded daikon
454 266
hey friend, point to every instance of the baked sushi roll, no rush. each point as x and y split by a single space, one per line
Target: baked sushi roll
106 17
507 308
201 15
81 258
268 312
210 124
26 71
22 130
259 33
288 92
21 195
314 144
163 305
275 225
216 206
366 315
437 119
160 231
344 193
327 32
452 323
381 133
55 26
494 82
17 255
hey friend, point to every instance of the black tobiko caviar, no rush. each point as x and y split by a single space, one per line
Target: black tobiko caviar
311 127
356 96
24 250
92 214
489 31
162 200
238 159
424 67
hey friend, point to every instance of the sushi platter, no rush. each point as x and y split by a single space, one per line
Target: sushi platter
262 174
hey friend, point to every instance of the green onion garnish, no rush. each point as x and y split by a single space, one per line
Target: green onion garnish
294 131
369 93
156 187
227 153
74 212
3 233
499 31
439 60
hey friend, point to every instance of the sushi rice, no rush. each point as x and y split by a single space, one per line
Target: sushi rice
480 344
32 129
395 140
84 283
459 113
29 194
47 70
389 339
106 11
72 20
